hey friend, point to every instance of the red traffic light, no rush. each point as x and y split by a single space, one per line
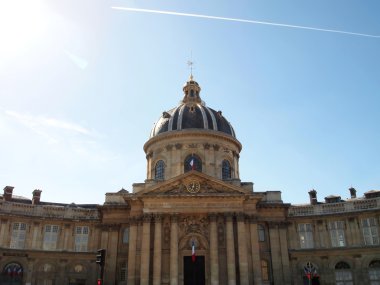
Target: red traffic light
99 281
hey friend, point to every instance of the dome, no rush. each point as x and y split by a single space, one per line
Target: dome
192 113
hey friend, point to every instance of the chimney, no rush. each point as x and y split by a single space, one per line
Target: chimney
36 197
313 197
352 192
8 190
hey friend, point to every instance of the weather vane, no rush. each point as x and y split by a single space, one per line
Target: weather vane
190 63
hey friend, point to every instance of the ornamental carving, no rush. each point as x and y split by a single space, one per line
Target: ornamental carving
193 145
178 146
193 224
207 146
204 188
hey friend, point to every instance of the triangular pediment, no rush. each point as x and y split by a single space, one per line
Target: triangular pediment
193 183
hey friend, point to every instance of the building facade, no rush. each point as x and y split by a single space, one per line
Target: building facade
193 221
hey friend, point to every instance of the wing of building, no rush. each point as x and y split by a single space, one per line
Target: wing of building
193 221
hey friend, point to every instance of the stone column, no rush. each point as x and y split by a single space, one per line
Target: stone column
145 251
174 251
36 239
157 250
274 238
132 252
4 233
214 261
242 248
284 253
256 261
231 271
111 254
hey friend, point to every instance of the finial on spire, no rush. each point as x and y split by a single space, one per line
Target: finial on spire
190 63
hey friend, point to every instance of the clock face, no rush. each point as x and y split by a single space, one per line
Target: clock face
193 186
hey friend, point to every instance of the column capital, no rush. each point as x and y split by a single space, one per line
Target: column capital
146 218
240 217
174 218
212 217
252 219
229 216
158 217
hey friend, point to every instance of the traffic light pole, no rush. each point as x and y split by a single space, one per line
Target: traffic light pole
101 260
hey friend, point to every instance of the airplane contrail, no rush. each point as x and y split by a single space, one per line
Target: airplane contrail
241 20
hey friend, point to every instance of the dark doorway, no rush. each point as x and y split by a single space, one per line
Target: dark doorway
194 272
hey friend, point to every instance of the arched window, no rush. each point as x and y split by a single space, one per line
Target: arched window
374 272
12 273
226 169
264 270
159 171
261 232
193 162
343 274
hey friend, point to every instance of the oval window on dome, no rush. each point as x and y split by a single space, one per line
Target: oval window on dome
226 169
193 162
159 171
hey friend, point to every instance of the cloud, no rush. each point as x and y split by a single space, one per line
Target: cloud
242 21
41 125
78 61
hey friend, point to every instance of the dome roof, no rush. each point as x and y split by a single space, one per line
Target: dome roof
192 113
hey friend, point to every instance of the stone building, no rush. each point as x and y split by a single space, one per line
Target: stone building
192 203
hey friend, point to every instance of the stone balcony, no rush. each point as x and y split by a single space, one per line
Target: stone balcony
354 205
49 211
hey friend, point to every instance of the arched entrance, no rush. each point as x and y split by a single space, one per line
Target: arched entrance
12 274
194 270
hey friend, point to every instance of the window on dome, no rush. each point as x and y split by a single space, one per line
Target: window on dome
226 170
193 162
159 171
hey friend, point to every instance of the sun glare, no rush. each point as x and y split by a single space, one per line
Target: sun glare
21 25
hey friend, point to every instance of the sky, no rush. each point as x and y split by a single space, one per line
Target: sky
82 83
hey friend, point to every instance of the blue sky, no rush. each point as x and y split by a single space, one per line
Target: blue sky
81 85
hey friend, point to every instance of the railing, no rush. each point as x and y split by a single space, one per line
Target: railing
334 208
48 211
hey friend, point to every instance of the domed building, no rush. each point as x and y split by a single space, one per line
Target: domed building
192 221
193 200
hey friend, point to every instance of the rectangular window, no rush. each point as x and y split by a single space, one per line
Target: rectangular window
126 235
50 237
370 231
261 232
305 232
18 236
81 238
124 271
337 234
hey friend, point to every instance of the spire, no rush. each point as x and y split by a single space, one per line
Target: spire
191 87
190 63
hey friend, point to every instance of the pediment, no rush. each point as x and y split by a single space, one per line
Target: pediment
193 183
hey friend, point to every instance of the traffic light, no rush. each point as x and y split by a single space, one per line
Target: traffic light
100 257
99 282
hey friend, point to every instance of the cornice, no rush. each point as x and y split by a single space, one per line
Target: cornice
191 133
